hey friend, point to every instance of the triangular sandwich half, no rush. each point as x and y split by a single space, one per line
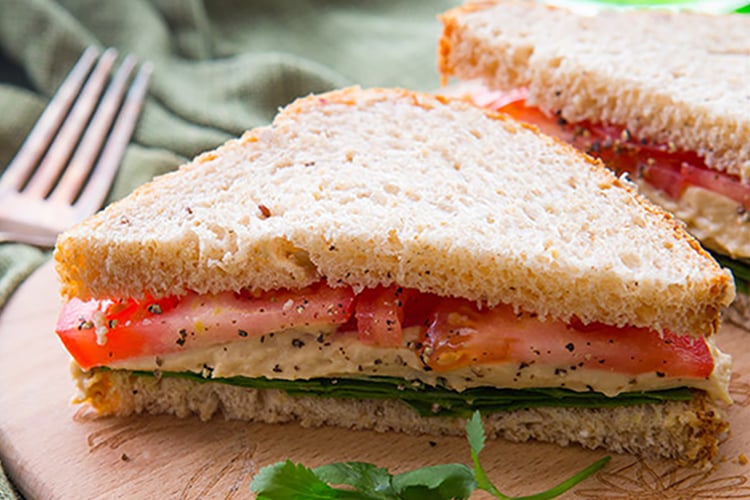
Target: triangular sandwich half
382 259
663 96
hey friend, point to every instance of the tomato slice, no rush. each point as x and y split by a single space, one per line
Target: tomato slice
665 168
716 181
99 332
461 335
380 314
454 332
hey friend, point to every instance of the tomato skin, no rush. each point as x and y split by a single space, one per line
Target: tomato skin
380 315
137 310
716 181
147 328
547 125
461 335
77 333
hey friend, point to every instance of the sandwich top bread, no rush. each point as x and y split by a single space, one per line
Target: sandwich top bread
440 197
661 96
383 253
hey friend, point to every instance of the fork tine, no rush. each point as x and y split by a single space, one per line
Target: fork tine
59 152
98 185
80 165
49 121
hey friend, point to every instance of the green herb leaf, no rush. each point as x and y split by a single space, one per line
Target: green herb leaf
437 481
476 437
290 481
366 478
475 433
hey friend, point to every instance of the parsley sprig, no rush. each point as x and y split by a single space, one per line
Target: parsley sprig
364 481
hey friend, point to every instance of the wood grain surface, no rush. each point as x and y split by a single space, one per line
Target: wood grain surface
51 449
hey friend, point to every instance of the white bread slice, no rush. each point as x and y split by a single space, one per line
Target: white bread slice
686 431
368 187
677 78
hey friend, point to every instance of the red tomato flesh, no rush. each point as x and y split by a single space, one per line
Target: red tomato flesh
141 328
454 333
660 165
380 313
460 335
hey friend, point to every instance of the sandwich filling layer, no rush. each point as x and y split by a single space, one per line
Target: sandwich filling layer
325 332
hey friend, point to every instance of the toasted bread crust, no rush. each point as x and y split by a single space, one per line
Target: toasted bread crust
687 432
445 205
669 77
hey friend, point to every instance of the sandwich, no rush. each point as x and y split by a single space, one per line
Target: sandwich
389 260
660 96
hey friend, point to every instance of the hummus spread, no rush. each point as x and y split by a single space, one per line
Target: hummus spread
712 218
299 354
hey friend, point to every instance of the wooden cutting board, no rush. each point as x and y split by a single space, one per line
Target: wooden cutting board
51 449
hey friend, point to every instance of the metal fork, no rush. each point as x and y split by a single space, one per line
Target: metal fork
48 187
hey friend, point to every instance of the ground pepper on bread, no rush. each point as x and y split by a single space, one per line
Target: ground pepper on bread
264 211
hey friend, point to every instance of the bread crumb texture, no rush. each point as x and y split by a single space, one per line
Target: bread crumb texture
378 187
686 431
680 78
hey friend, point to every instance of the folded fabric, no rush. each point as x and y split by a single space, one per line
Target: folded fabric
221 67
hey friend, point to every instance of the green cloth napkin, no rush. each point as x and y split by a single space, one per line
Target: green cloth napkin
221 67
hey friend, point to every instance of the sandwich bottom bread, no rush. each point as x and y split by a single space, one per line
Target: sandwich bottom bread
383 259
686 430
